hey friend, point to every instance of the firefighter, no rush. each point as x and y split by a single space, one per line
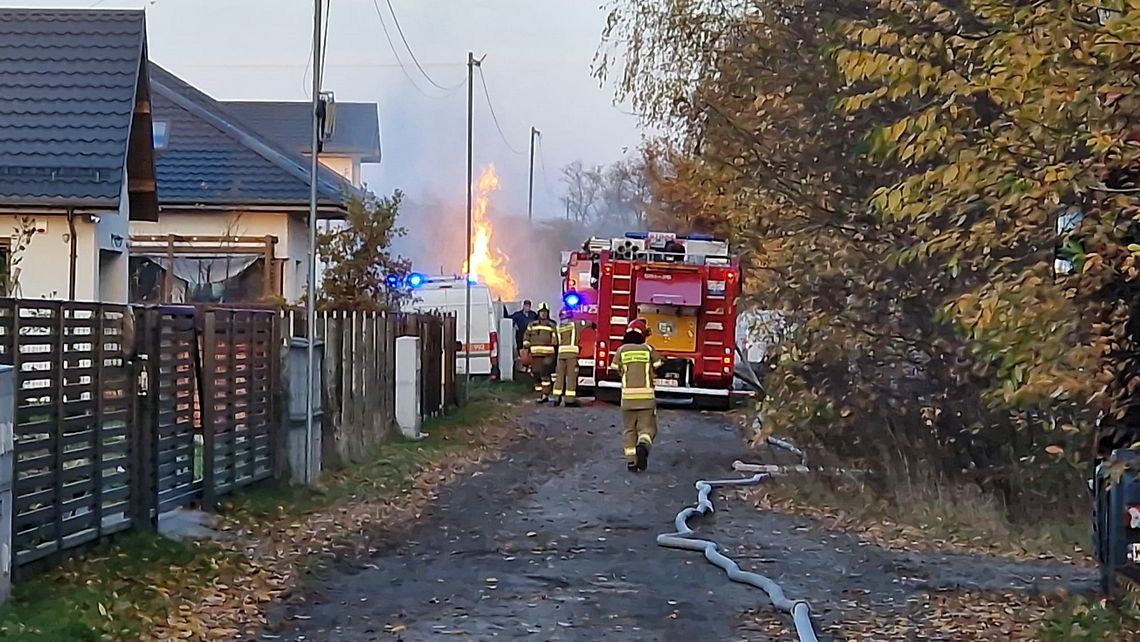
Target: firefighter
566 369
541 340
636 361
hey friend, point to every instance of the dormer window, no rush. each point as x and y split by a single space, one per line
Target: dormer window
161 130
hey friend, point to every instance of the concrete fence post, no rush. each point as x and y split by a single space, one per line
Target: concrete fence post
409 375
296 361
7 474
506 349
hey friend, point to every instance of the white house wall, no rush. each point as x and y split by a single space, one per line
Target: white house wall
346 166
44 266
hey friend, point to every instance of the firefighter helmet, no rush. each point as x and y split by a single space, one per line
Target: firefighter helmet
541 307
639 326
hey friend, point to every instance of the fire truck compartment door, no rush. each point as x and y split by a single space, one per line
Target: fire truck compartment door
669 288
671 332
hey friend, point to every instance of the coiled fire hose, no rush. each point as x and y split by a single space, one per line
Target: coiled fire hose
682 539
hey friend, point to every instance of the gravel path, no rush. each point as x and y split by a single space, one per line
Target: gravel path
556 542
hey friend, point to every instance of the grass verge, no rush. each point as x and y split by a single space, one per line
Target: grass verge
1084 621
96 596
387 471
115 591
932 517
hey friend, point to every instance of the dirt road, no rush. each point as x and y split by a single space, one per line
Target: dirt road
556 542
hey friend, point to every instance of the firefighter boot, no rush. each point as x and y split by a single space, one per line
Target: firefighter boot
643 444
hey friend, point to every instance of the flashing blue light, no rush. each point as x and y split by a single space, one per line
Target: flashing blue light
636 235
393 281
472 278
415 280
572 299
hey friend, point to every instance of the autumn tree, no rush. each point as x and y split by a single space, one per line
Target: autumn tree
356 254
820 135
1016 113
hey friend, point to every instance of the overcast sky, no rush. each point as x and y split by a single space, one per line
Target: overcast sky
538 61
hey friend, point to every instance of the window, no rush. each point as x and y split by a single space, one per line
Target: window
161 130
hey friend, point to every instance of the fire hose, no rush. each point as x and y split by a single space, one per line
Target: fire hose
683 539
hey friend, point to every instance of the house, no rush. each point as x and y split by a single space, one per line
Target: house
76 157
234 204
355 139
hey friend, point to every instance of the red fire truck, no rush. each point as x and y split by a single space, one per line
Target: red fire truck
686 289
580 274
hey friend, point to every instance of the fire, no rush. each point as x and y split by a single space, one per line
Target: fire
488 263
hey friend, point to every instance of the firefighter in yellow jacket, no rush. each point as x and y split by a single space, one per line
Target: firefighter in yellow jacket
566 368
636 361
541 340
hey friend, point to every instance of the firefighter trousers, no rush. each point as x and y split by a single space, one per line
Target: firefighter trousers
541 367
566 378
640 428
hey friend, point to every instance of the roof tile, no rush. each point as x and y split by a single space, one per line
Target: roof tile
67 93
213 158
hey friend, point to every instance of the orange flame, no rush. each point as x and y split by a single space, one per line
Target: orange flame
488 263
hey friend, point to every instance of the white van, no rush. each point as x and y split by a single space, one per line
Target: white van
447 294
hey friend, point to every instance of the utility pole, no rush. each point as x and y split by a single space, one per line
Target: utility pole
311 299
471 64
534 134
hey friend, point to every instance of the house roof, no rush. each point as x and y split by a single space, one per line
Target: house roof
68 87
357 131
212 158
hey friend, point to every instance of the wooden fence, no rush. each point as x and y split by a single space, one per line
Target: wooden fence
123 413
73 470
359 377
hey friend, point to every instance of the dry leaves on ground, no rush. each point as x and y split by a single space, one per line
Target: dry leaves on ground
234 604
930 617
892 535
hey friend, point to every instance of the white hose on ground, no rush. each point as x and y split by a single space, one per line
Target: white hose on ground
788 446
777 469
682 539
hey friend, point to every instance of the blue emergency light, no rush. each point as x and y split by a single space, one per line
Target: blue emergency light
393 281
572 299
415 280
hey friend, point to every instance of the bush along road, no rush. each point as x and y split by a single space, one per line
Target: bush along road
556 541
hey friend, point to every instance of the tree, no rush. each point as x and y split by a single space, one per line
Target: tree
1015 112
607 199
820 136
582 186
357 257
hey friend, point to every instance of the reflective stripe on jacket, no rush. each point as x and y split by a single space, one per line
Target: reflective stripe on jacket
541 337
636 363
568 338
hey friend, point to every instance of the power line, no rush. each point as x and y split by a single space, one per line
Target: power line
412 54
495 117
325 40
542 164
396 54
324 49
